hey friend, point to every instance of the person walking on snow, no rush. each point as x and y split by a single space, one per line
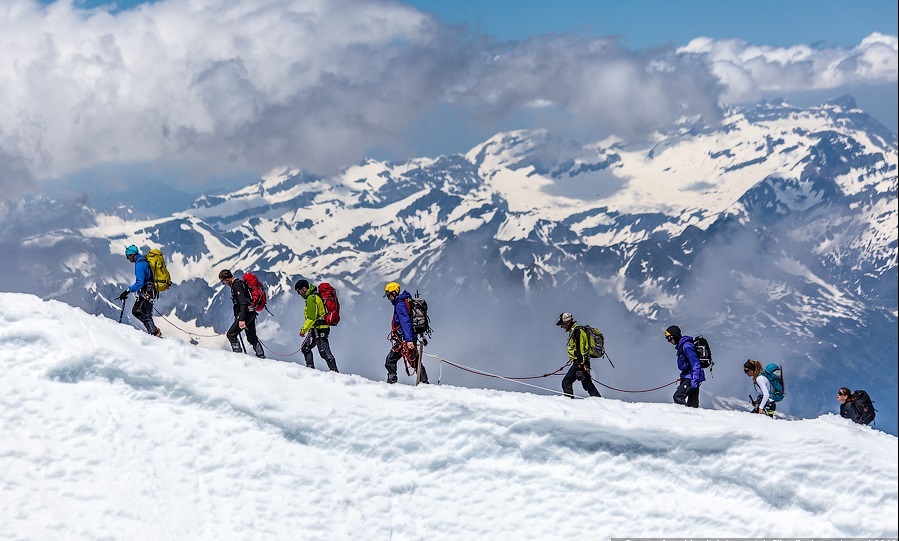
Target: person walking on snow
578 358
691 372
764 404
144 290
401 335
244 315
314 329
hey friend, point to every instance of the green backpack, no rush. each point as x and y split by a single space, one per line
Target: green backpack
162 280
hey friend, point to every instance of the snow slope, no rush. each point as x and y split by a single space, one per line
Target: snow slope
108 433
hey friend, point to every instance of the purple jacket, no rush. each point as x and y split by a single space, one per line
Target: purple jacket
688 362
402 320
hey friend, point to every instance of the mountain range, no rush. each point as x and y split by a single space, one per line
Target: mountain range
773 233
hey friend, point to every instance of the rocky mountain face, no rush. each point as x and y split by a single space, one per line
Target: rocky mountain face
773 234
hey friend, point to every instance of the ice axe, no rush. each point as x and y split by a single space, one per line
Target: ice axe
122 313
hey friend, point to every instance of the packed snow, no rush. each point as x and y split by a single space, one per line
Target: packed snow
108 433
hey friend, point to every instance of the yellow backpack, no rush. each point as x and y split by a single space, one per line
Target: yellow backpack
161 277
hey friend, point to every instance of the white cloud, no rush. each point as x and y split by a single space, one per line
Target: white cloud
230 84
746 70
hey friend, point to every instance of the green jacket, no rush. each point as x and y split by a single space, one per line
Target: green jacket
314 311
578 344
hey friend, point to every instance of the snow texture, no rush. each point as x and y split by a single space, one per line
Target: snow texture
108 433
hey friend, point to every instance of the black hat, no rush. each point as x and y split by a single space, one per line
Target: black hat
301 283
225 274
673 331
564 317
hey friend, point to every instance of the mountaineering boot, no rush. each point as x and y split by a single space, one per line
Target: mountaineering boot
257 348
333 366
310 365
158 333
391 378
235 347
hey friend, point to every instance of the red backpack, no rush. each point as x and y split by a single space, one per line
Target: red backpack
258 298
332 304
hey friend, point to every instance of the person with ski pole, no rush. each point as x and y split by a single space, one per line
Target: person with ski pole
578 358
244 315
144 291
402 337
763 404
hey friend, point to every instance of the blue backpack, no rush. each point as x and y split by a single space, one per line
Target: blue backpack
775 377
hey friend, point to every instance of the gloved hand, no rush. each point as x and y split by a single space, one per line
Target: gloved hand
124 295
579 375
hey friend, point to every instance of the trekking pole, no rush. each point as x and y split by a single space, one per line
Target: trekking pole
242 346
419 350
608 358
122 313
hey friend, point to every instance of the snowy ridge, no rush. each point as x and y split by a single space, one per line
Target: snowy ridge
776 230
132 437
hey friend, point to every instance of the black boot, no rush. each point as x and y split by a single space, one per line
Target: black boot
235 347
257 349
333 366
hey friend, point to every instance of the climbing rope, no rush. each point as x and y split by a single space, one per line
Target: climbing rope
518 380
640 391
276 354
280 354
158 313
497 376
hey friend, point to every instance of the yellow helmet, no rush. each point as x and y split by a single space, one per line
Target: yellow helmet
392 287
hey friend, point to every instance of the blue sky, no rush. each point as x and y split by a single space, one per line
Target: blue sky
222 89
648 23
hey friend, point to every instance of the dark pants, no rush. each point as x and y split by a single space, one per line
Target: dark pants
250 328
685 395
769 409
319 338
392 358
143 311
571 377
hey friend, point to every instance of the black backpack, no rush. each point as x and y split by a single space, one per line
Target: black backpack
864 406
418 312
704 352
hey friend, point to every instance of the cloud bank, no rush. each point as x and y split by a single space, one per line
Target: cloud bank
230 84
746 70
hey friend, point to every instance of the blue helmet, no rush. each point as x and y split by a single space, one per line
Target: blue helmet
132 250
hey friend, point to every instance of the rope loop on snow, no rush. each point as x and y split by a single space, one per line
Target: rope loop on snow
280 354
518 380
158 313
497 376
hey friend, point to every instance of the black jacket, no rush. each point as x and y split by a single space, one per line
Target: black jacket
240 297
850 411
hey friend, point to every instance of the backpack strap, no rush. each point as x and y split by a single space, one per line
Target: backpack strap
321 320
